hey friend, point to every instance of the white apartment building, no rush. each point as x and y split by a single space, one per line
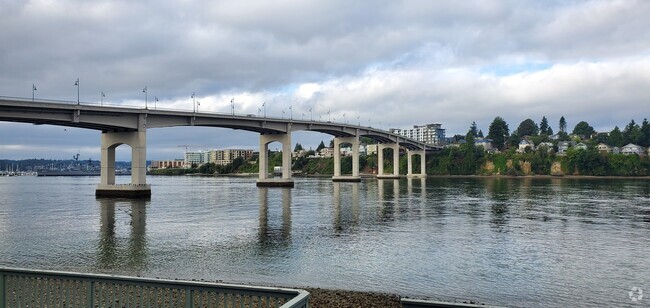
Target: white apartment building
432 134
198 158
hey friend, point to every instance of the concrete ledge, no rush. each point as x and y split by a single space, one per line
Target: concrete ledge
388 177
416 176
415 303
275 183
346 178
123 191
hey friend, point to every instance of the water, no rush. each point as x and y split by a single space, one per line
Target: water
515 242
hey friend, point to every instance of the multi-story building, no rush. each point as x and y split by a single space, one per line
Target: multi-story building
163 164
224 157
432 134
195 158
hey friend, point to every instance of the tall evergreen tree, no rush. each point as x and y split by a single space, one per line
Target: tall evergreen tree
615 138
480 133
544 128
473 130
562 125
645 131
320 146
499 132
632 133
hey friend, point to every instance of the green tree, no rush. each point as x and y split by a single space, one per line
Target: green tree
473 130
480 133
527 127
544 128
298 147
615 138
320 146
499 132
645 131
632 133
562 125
583 129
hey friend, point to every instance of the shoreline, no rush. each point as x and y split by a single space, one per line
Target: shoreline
441 176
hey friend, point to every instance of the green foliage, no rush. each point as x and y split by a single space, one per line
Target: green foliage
298 147
544 128
562 125
633 134
499 133
320 146
583 129
527 127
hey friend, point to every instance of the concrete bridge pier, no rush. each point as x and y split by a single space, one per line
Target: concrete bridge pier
423 164
264 180
354 141
138 188
380 161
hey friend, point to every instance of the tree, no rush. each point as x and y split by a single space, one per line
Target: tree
583 129
615 138
498 132
527 127
298 147
544 128
320 146
562 125
632 133
480 133
645 131
473 130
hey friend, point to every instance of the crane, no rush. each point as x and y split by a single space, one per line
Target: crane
186 146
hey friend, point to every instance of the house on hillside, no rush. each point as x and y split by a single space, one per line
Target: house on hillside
632 149
326 152
604 148
581 146
523 144
545 145
562 146
483 142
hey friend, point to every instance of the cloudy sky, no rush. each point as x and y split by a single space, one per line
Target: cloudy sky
389 63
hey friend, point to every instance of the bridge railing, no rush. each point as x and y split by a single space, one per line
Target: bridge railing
36 288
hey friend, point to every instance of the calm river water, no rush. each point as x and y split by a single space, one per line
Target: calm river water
514 242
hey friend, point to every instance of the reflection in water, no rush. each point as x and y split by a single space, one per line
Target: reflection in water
268 235
348 217
388 198
499 190
110 254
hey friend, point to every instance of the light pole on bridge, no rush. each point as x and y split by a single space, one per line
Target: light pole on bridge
232 105
145 96
193 103
101 98
264 106
291 112
76 83
33 90
155 101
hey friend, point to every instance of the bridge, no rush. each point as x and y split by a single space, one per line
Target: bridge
129 125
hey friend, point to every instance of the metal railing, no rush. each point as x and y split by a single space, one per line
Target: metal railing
36 288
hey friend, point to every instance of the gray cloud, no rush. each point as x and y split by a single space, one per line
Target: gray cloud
398 62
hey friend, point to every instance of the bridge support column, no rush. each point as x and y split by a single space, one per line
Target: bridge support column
264 180
423 164
138 187
380 162
354 141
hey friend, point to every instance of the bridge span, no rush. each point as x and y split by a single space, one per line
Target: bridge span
128 125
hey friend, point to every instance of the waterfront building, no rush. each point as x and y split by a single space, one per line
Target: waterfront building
195 158
227 156
164 164
632 149
432 134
